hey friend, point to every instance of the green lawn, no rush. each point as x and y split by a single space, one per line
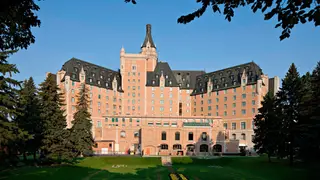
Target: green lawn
103 168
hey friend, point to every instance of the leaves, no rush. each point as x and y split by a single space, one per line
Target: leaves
290 13
17 17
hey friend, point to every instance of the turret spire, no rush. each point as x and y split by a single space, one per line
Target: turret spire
148 37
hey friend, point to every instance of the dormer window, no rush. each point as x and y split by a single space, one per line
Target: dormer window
108 79
101 77
76 69
107 84
98 82
157 76
73 76
217 86
166 76
180 84
92 74
183 79
234 82
232 77
153 82
90 80
225 85
170 82
187 85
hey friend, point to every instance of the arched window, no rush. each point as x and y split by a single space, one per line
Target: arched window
217 148
163 136
177 147
234 137
204 136
122 134
190 136
243 136
164 146
177 136
204 148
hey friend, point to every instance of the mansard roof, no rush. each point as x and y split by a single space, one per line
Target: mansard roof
95 75
186 79
227 78
183 79
148 37
162 68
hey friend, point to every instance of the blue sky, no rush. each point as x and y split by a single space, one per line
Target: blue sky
96 30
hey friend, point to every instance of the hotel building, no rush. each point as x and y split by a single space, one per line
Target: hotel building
146 107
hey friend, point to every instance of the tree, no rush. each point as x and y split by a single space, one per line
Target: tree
267 127
29 118
288 103
9 131
55 135
17 17
81 135
289 13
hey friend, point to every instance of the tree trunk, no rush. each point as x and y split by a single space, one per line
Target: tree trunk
291 154
269 157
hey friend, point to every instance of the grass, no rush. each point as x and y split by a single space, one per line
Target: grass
95 168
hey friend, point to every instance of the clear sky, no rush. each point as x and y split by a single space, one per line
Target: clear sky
96 30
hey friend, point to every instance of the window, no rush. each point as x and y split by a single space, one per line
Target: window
163 136
204 136
217 100
252 124
234 137
225 91
243 125
209 108
99 96
204 148
177 136
244 96
72 91
253 110
243 88
233 112
244 81
72 100
123 120
99 124
123 134
72 83
243 111
234 126
217 107
164 146
177 147
234 90
233 105
243 136
225 125
136 134
150 123
253 102
244 104
225 106
190 136
225 99
106 120
225 113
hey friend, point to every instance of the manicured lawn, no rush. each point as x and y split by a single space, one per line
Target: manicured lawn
104 168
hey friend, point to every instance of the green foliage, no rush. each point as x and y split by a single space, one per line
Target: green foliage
267 127
17 17
80 133
289 13
29 118
55 142
10 133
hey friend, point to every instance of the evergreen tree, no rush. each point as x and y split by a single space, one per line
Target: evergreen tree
266 127
29 119
81 135
288 101
10 133
314 109
55 134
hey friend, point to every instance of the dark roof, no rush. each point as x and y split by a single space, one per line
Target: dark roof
148 37
182 79
95 75
162 68
186 79
227 78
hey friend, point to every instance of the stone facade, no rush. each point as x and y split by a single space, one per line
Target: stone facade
146 107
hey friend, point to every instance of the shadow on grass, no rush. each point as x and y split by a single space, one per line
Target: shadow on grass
79 172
